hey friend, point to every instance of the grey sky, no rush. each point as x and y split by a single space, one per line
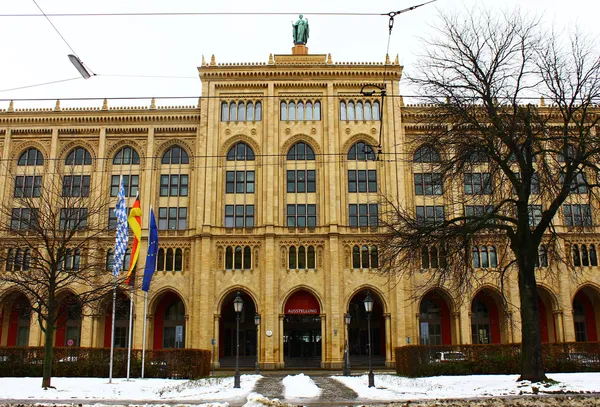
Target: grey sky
33 53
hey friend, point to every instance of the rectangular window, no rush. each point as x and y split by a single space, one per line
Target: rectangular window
430 214
23 218
363 215
362 180
301 181
172 218
76 185
577 215
301 216
27 186
535 214
477 183
239 216
130 184
428 184
239 182
73 218
174 185
478 210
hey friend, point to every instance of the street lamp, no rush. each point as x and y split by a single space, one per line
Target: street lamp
238 305
257 323
347 319
368 301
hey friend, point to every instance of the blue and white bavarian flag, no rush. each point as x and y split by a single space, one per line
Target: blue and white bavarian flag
122 237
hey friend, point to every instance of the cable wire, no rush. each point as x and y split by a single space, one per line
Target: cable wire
56 29
39 84
194 13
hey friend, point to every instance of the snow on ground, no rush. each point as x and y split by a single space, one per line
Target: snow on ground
300 386
148 390
390 387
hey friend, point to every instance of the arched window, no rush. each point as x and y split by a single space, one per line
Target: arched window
350 111
247 258
302 258
240 152
365 257
169 261
79 156
368 112
301 151
317 111
241 115
300 111
224 112
292 111
570 154
237 260
292 259
229 258
283 111
475 255
175 155
585 260
18 260
250 111
493 257
178 260
258 112
311 257
110 259
160 260
485 261
309 111
425 257
374 257
31 156
434 257
426 154
361 151
232 112
356 257
27 260
543 256
126 156
576 258
593 256
376 115
359 111
343 115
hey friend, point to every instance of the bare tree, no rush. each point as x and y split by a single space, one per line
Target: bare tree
50 240
502 165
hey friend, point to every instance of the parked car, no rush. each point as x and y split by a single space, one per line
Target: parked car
584 359
445 357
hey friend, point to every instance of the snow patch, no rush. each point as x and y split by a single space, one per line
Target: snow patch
300 386
258 400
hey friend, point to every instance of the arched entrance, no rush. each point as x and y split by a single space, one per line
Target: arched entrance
302 339
227 331
68 327
435 325
169 322
18 310
586 313
358 333
485 318
547 326
121 320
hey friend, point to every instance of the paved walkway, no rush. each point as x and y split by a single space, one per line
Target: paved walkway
332 391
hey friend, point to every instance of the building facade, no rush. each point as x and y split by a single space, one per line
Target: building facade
270 188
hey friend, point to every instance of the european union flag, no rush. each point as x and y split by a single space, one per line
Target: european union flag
152 251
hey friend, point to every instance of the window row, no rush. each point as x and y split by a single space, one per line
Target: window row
301 258
433 258
363 215
584 255
169 259
239 216
24 218
28 186
365 257
484 257
241 111
110 260
238 258
300 110
359 110
18 260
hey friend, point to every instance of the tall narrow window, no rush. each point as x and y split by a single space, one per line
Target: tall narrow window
311 257
302 258
292 111
283 111
258 112
475 255
368 113
241 115
359 111
309 111
238 258
576 257
350 112
356 257
292 258
224 112
585 260
593 256
229 258
250 111
376 115
247 258
317 110
300 111
232 112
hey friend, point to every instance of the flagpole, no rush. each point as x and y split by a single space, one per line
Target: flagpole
112 335
130 339
144 337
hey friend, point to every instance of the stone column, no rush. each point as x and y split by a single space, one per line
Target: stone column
390 359
559 325
215 357
280 361
457 330
324 362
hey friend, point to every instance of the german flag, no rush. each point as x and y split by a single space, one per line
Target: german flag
135 223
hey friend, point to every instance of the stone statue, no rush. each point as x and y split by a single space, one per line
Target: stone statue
300 31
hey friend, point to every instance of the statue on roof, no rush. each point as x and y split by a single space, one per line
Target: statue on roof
300 31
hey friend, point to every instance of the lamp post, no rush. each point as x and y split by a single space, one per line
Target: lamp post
368 301
347 319
257 323
238 305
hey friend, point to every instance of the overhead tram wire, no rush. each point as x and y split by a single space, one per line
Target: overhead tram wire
193 13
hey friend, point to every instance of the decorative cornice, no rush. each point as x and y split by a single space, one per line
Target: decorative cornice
177 130
112 131
79 131
21 132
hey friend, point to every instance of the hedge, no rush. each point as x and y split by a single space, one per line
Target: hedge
417 360
95 362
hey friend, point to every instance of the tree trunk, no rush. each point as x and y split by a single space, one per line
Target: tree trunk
532 365
48 351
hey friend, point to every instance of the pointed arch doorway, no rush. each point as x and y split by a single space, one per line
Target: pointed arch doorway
302 339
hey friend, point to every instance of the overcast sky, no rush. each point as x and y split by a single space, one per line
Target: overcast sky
32 52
